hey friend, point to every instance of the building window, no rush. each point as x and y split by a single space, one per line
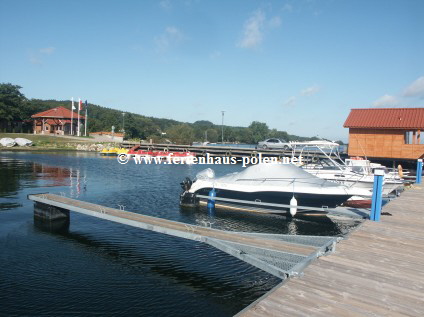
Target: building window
409 137
47 128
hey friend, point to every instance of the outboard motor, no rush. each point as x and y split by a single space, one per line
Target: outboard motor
186 184
188 199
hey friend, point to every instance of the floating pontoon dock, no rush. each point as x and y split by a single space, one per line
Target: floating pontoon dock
377 271
219 150
280 255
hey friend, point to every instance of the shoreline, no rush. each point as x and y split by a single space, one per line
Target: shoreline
36 148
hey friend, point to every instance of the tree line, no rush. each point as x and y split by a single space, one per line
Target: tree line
16 108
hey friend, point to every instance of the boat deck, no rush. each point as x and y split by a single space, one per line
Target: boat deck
377 271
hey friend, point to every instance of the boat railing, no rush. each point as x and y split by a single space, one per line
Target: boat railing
303 180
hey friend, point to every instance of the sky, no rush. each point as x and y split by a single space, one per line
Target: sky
299 66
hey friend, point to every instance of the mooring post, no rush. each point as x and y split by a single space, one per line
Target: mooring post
419 171
377 194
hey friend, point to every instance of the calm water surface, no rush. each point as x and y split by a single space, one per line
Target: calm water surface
95 267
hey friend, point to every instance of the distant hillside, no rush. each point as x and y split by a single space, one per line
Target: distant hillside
139 126
15 107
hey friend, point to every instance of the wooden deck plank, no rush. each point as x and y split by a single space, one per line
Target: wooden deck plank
377 271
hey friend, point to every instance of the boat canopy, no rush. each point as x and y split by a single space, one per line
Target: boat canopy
275 175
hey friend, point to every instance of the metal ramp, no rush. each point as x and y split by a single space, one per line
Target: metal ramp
280 255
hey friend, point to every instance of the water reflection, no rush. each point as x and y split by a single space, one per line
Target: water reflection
53 226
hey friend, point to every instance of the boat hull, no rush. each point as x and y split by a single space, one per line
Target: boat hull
249 200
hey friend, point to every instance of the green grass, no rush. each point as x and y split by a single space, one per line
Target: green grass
48 141
37 137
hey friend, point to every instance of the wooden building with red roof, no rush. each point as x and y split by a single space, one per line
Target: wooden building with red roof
393 133
57 121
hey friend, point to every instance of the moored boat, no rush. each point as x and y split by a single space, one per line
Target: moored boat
265 188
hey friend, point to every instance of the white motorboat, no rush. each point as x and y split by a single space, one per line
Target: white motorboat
8 142
266 187
354 174
23 142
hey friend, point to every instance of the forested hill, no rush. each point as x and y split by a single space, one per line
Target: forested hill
14 106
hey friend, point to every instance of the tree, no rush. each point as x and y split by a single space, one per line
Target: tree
282 135
212 135
12 103
181 134
259 131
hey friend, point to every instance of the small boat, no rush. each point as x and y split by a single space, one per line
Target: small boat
110 151
355 173
8 142
122 151
265 187
172 157
23 142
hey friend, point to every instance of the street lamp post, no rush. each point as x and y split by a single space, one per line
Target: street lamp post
123 123
222 127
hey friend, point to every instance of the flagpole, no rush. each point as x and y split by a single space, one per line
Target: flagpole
72 117
79 108
86 119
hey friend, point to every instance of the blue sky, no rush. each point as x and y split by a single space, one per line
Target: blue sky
299 66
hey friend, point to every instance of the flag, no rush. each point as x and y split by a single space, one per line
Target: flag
73 107
86 105
80 105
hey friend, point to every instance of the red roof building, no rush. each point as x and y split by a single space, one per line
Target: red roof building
59 121
393 133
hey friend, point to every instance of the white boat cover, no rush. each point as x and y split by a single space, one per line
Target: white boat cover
280 175
23 142
9 142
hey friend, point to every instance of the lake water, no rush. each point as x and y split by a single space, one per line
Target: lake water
95 267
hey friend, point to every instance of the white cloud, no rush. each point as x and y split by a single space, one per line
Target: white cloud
275 22
290 102
170 37
416 89
253 30
287 7
310 90
47 50
165 4
386 101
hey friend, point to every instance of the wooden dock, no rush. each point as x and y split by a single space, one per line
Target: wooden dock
377 271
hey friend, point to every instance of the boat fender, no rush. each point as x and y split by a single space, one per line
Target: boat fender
400 171
228 153
211 200
165 150
314 159
254 154
293 210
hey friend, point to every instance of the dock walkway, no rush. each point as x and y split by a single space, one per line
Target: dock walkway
377 271
280 255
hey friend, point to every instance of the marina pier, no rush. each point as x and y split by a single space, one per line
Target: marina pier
377 271
280 255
